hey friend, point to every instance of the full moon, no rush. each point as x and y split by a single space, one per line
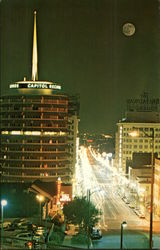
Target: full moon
129 29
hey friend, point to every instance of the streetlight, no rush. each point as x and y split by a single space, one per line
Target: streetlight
88 198
40 198
3 204
135 133
123 225
89 193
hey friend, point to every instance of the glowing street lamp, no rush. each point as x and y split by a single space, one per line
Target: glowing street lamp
40 198
3 204
135 133
123 225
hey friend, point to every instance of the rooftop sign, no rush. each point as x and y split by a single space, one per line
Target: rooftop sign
144 103
35 85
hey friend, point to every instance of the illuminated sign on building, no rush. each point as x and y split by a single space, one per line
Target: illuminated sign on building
144 103
65 197
35 85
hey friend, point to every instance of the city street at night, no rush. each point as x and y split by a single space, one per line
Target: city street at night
80 124
99 179
99 176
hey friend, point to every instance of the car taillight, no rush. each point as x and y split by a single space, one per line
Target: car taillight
29 244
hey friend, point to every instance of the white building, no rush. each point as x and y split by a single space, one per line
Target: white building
143 116
127 145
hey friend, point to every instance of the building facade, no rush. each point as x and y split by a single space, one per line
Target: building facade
143 119
35 138
127 145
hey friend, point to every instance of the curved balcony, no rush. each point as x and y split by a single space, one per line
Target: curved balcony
35 111
66 160
23 119
22 153
34 176
38 102
41 169
40 144
11 127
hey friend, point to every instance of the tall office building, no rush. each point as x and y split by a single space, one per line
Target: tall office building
143 115
39 126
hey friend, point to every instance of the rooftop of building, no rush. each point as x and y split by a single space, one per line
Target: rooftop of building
47 187
30 84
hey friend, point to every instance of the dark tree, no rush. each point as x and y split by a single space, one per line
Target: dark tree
81 212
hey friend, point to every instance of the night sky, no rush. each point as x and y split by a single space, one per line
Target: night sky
82 46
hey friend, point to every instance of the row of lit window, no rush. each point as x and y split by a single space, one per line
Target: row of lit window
34 116
21 150
51 141
34 148
128 158
142 129
141 146
135 147
36 98
140 140
29 109
36 165
17 173
33 124
156 135
32 168
62 160
36 101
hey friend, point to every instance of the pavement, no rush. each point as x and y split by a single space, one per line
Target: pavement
131 240
110 240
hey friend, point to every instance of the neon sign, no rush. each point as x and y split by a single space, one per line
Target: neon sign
35 85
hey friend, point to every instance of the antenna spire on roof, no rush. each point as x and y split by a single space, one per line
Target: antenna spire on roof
35 52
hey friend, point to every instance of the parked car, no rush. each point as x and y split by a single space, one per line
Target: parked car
127 201
6 224
123 198
137 212
142 216
27 226
18 222
22 224
95 234
23 237
32 245
131 205
41 231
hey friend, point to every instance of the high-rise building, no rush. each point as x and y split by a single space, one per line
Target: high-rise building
39 126
142 115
